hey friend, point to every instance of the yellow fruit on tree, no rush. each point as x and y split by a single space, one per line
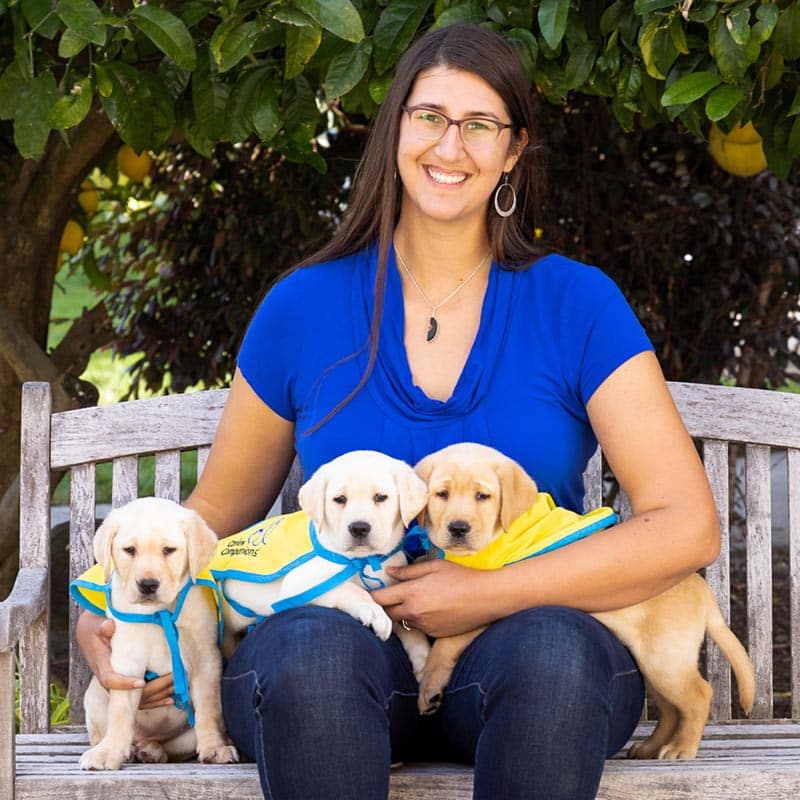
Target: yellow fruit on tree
134 166
88 199
71 238
739 152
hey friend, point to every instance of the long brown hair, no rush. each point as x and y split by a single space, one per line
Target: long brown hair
374 204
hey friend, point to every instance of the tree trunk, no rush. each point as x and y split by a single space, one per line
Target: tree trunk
36 200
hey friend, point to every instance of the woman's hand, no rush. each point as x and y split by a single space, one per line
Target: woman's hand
439 597
93 634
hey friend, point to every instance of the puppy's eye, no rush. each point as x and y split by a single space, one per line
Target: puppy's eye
479 496
379 498
131 551
168 551
443 494
340 499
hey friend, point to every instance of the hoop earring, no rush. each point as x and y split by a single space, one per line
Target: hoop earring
505 212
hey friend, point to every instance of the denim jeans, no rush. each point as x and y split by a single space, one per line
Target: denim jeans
536 703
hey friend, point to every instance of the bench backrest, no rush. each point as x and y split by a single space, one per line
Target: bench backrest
718 417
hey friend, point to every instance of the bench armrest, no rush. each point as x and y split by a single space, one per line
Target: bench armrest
25 604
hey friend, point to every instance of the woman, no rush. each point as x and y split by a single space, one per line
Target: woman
432 318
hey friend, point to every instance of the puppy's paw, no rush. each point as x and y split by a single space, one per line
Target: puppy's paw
149 752
676 749
219 754
431 693
102 758
373 616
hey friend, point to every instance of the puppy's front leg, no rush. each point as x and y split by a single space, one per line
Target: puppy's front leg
356 602
113 749
417 648
439 667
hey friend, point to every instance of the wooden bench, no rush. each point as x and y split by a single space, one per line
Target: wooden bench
759 757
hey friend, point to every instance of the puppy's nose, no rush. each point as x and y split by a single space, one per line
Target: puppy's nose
148 585
458 528
359 529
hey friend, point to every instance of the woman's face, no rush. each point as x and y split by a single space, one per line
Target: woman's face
446 180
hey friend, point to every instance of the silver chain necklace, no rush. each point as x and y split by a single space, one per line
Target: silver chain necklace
433 324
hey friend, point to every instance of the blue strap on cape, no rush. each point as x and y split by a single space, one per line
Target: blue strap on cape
351 565
166 620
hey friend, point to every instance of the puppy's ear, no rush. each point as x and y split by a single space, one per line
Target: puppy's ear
517 490
424 468
311 497
201 542
103 539
413 492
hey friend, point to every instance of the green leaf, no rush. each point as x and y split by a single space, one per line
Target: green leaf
647 48
690 88
289 16
84 18
787 33
209 101
92 272
794 139
395 30
168 33
71 43
678 35
611 17
646 6
242 100
12 84
629 83
378 87
39 15
340 17
231 43
71 109
794 109
722 101
347 69
301 44
472 11
579 65
31 126
266 116
767 16
738 24
552 18
526 46
730 57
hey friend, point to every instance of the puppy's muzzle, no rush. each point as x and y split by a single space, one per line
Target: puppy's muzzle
147 586
458 529
359 529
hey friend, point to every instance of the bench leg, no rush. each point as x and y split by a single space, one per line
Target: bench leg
7 759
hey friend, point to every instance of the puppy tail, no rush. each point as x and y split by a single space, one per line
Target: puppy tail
734 651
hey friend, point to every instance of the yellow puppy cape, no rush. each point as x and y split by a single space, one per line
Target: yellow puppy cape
93 592
266 551
543 527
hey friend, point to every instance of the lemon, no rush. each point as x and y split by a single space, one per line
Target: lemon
739 152
71 238
134 166
88 199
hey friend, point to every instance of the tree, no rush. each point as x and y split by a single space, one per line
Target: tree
77 76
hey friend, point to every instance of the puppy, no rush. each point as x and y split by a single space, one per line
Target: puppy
152 552
359 505
475 493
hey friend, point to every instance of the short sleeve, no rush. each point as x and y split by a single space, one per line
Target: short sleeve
272 348
612 336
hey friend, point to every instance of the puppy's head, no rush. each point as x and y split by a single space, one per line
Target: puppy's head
474 494
154 545
362 501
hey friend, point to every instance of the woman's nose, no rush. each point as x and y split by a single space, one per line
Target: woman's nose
450 145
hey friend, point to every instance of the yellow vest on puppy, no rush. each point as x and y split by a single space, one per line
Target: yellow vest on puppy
543 527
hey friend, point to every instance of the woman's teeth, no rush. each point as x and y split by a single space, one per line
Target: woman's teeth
446 177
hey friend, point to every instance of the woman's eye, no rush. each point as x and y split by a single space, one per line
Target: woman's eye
340 499
168 551
131 551
481 496
477 125
443 494
379 498
431 117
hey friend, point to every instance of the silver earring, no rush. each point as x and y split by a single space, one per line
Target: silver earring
505 212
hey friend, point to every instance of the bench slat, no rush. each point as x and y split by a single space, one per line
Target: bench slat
168 475
759 574
793 470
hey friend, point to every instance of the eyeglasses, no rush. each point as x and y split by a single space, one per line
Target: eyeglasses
477 132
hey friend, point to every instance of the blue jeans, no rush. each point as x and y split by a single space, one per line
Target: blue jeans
536 703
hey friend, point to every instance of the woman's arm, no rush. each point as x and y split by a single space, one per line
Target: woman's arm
251 455
673 530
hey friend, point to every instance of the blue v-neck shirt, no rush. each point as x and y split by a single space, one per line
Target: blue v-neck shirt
548 337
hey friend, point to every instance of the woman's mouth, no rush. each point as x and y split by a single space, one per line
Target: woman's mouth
448 178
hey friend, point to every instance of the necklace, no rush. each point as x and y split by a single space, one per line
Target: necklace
433 323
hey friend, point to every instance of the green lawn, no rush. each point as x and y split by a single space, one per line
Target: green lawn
71 295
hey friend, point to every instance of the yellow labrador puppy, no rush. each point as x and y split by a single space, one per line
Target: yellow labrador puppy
475 493
152 552
355 510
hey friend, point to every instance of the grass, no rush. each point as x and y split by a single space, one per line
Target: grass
109 373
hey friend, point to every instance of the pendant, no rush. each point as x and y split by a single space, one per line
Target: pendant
433 329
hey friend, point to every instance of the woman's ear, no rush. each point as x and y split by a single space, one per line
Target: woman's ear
516 149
